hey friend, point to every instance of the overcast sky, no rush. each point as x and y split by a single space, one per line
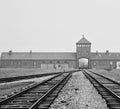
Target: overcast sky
56 25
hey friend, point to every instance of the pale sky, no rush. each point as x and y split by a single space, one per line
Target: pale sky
56 25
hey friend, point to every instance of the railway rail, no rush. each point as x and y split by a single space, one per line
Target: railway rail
17 78
37 96
109 89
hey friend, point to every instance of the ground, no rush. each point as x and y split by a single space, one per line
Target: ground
13 72
114 74
10 88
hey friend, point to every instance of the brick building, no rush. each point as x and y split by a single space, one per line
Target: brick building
83 57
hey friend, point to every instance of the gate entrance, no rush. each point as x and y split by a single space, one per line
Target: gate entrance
118 65
83 63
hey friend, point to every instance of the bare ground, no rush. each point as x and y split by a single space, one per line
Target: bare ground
114 74
13 72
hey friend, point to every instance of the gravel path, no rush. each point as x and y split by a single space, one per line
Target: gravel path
78 93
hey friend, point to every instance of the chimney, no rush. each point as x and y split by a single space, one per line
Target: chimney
30 51
10 52
107 51
96 52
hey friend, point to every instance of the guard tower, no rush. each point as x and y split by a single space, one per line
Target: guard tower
83 49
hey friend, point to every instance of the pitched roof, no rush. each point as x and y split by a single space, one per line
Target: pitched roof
105 56
39 56
83 41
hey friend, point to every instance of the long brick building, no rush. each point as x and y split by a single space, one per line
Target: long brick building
83 57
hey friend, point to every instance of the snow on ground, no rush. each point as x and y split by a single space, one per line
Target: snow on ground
14 72
79 93
39 79
9 88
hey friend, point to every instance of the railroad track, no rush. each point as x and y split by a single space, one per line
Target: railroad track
109 89
37 96
17 78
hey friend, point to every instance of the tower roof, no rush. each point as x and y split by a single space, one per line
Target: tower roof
83 41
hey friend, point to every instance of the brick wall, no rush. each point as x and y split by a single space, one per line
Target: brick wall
37 63
103 64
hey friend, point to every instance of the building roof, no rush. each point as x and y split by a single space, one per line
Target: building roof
105 56
56 56
83 41
38 56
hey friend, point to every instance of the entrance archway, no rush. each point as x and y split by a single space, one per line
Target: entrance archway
118 65
83 63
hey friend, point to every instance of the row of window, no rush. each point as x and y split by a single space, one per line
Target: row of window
101 63
42 66
33 62
83 45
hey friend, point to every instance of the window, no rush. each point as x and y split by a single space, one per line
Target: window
65 62
34 63
100 55
42 62
50 61
58 61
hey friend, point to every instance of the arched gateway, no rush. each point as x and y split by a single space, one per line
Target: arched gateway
83 49
83 63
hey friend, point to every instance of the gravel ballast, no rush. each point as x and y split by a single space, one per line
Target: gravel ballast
79 93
